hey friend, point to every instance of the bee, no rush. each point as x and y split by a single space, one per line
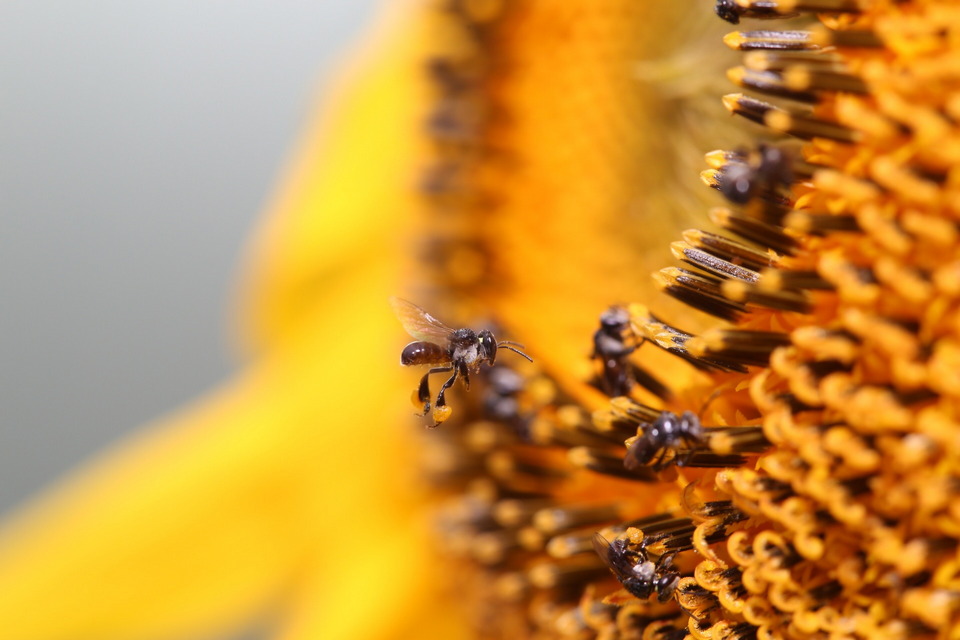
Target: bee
732 10
635 571
728 11
610 347
613 343
455 351
501 398
753 174
668 431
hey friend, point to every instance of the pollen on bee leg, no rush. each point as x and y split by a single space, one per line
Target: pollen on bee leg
423 407
440 414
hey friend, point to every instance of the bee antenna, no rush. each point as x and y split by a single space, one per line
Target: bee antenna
510 342
503 345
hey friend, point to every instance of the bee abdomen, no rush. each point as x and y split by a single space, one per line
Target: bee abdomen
423 353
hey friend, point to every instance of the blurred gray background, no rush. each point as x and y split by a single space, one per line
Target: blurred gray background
138 143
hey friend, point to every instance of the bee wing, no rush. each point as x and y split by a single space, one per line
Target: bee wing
602 546
418 323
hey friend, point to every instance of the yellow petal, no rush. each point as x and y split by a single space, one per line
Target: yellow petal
353 179
293 469
289 490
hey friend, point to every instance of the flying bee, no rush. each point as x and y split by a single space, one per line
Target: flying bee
455 351
635 571
668 431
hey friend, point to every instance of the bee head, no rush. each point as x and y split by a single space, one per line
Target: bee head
486 346
614 320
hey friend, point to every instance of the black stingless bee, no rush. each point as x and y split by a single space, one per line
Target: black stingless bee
460 351
612 349
635 571
613 343
668 431
732 10
751 174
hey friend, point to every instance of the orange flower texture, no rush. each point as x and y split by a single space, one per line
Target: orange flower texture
761 441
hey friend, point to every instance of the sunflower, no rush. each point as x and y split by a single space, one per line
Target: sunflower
757 443
780 471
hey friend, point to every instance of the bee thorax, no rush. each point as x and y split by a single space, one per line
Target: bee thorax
645 570
468 354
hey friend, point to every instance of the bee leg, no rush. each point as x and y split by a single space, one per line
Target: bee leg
465 374
660 464
440 410
693 443
423 391
665 561
441 401
666 584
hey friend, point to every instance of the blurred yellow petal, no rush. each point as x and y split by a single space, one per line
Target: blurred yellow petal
290 491
350 195
237 502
